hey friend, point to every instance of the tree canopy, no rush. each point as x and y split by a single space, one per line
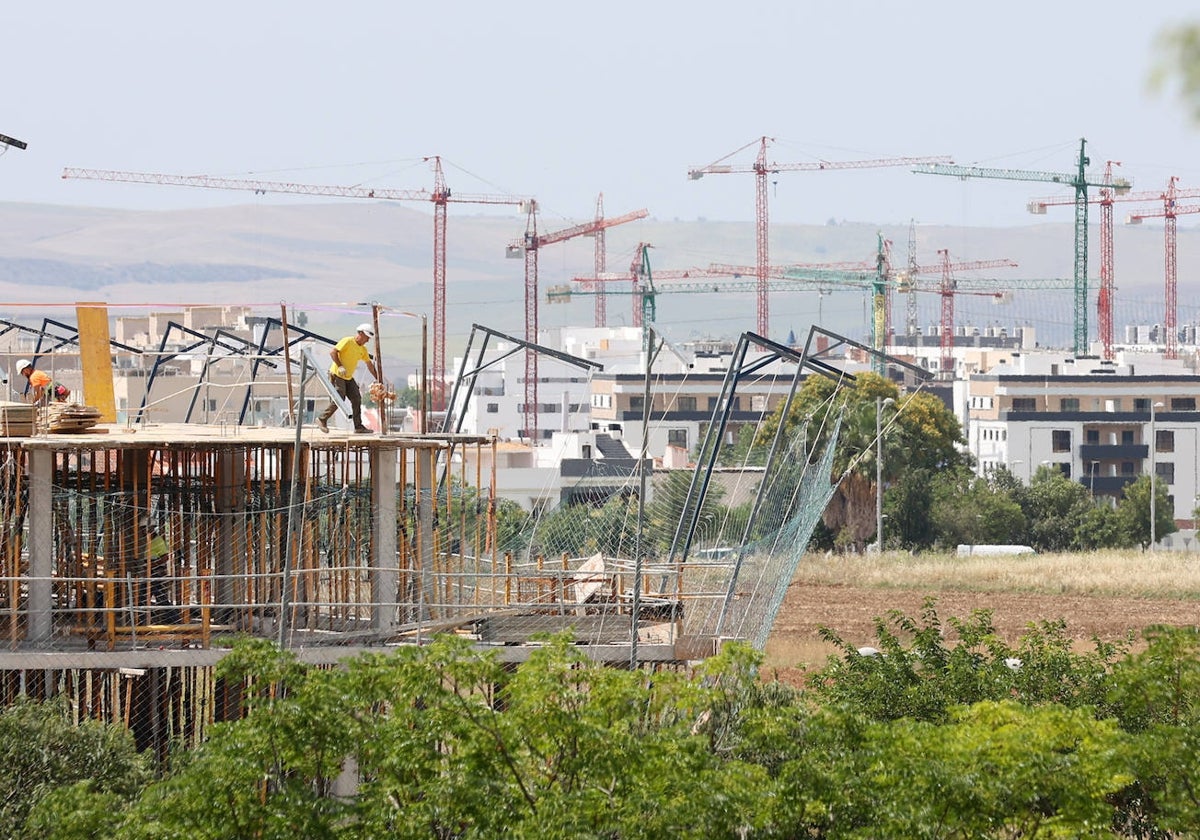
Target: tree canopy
926 737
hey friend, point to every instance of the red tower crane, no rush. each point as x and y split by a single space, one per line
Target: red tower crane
760 168
529 247
440 197
1170 210
1110 192
947 291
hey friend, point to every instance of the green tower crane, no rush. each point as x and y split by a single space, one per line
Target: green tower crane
1081 181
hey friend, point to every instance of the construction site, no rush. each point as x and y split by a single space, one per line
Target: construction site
137 549
188 492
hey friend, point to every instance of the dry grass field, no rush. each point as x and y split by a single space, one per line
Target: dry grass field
1099 595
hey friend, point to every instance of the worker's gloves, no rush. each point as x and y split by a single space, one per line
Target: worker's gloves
341 371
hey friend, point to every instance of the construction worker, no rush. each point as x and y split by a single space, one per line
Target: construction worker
346 355
159 555
43 388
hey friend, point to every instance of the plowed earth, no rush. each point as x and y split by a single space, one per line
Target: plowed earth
851 612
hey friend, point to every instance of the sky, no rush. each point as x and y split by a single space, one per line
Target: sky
564 101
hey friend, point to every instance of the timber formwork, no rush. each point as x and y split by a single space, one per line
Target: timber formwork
329 544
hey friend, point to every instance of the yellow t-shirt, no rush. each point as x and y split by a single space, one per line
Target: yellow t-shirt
351 353
158 547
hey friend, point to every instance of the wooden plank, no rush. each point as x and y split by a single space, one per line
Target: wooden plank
95 357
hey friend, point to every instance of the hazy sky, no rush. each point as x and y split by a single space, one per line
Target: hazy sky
563 100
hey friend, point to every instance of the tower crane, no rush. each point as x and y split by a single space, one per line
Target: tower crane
882 280
528 248
1169 211
910 321
1108 195
729 279
440 197
760 168
1081 182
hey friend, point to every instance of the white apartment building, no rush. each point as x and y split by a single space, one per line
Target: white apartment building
1101 423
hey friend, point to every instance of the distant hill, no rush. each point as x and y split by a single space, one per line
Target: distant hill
325 258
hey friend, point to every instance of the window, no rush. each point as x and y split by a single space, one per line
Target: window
1141 404
1127 468
1183 403
493 408
637 403
1092 436
687 404
1166 472
1064 468
1060 440
1024 404
758 402
1127 437
587 451
1068 404
1164 440
677 437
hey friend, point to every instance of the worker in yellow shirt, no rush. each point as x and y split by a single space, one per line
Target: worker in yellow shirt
158 553
346 355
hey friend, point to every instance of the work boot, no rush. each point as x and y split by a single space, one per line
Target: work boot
322 425
362 430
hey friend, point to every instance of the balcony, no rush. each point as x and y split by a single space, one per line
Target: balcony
1107 485
1089 452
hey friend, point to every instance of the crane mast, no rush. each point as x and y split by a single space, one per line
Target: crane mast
1081 182
530 245
440 197
760 169
1170 209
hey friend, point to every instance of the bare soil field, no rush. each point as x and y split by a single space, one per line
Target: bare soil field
1095 602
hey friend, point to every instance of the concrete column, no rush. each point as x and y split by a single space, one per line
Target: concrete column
384 559
40 464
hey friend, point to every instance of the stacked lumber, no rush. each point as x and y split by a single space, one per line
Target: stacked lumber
16 419
64 419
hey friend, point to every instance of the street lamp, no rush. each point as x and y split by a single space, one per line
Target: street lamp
1153 474
880 403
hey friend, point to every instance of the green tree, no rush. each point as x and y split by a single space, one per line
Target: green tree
669 506
995 769
566 528
967 509
43 751
919 431
1133 511
1056 507
920 674
449 742
407 397
1100 527
906 506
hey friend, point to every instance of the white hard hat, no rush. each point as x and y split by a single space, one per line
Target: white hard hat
22 364
364 327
